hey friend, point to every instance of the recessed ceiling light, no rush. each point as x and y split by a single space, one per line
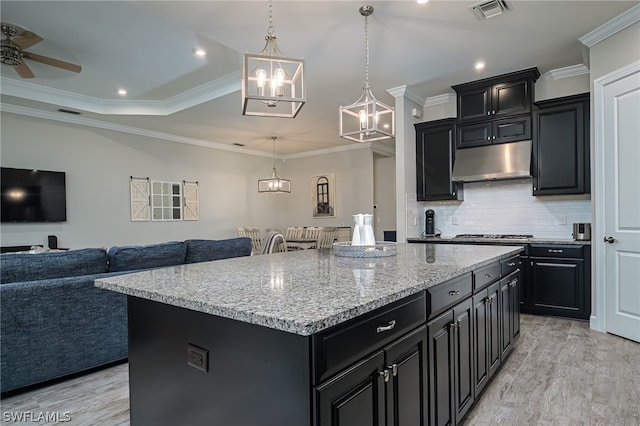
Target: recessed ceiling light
122 92
199 52
479 65
422 1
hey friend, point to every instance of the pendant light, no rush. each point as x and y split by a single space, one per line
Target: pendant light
274 184
367 119
272 85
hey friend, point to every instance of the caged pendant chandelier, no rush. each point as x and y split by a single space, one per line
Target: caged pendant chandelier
274 184
272 85
367 119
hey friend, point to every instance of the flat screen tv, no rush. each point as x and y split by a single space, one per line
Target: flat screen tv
33 195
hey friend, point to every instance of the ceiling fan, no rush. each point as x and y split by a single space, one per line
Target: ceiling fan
14 43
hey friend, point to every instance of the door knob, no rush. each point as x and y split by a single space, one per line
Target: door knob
609 240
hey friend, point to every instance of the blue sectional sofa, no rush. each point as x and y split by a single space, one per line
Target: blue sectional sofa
54 322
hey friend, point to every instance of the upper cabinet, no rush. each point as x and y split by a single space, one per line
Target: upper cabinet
495 110
560 160
435 153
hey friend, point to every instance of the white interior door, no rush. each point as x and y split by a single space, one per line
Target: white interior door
620 238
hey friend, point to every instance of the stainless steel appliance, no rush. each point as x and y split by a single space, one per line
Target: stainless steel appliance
582 231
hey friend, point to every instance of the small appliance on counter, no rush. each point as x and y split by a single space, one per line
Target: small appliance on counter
429 226
582 231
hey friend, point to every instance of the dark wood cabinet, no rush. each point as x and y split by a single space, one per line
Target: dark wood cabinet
388 388
509 305
495 97
355 397
435 153
406 387
560 281
497 131
496 109
486 335
450 363
560 160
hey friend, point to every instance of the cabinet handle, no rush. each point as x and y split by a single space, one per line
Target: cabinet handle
394 369
513 283
454 293
385 374
555 251
493 112
511 264
488 275
494 137
387 327
488 112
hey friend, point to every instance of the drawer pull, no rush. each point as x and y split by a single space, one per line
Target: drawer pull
488 275
454 293
511 264
389 326
555 251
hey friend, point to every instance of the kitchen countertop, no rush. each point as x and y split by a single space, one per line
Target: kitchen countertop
304 292
451 239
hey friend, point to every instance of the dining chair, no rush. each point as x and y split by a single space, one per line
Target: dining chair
327 236
273 242
294 232
313 232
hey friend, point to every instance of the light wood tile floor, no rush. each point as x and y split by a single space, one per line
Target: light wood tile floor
560 373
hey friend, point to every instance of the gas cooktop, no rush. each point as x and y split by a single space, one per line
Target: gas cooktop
496 236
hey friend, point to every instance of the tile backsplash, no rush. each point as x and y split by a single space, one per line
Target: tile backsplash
502 207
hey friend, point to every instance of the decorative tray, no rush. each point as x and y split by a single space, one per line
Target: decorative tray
380 249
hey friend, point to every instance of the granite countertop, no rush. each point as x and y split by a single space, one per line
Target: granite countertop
304 292
497 240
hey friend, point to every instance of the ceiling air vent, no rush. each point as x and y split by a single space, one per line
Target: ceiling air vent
489 9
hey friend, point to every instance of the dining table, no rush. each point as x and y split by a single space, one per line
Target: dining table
302 243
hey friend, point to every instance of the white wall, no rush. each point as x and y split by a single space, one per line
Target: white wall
384 186
353 169
98 164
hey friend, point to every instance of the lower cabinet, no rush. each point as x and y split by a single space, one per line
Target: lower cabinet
422 373
387 388
451 359
559 281
509 312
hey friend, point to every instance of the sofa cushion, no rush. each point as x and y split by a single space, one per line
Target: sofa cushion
132 258
206 250
18 267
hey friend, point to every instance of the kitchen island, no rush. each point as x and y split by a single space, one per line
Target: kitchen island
279 339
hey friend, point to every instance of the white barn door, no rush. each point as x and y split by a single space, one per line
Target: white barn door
617 143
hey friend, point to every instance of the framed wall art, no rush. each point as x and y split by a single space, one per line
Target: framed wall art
323 196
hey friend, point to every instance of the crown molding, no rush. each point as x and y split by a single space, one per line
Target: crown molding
407 92
440 99
89 122
206 92
611 27
570 71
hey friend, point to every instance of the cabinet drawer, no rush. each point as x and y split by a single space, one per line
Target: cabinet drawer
546 250
448 294
485 275
509 265
340 346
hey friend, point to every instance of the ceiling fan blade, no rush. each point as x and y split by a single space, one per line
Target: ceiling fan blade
53 62
24 71
26 39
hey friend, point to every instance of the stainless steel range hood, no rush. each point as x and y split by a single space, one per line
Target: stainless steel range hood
493 162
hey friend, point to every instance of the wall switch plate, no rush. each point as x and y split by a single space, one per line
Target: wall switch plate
415 221
454 220
562 220
198 357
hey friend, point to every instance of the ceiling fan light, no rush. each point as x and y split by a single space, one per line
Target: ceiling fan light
10 54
